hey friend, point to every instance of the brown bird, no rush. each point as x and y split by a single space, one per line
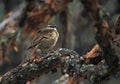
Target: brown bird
45 39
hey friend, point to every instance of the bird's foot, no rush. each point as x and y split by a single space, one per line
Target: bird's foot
34 57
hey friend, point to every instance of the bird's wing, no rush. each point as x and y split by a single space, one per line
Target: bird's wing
41 34
37 41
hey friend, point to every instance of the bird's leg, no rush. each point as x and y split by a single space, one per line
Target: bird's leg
33 53
44 52
49 52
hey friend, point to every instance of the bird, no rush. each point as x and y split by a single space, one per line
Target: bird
45 39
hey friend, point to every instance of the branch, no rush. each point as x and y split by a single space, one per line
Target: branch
32 14
33 68
9 24
104 36
68 60
41 13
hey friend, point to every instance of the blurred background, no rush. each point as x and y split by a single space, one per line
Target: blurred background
74 25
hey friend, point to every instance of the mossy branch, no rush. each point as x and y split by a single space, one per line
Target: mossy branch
68 60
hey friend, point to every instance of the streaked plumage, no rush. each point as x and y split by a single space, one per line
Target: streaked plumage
45 39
